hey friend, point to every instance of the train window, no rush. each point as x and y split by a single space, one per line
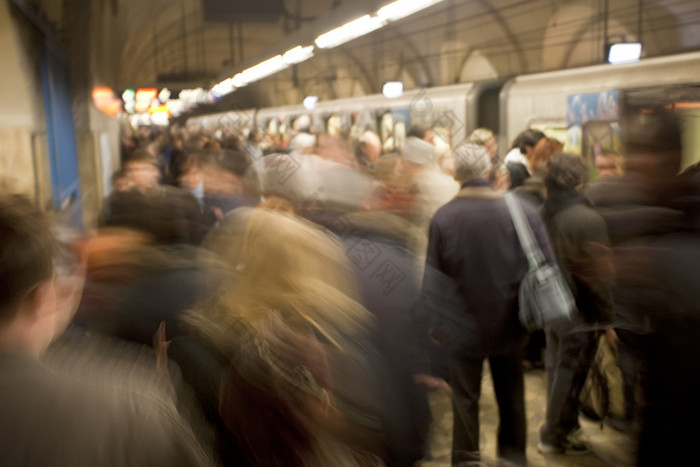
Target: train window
399 134
682 99
272 126
690 116
333 125
598 138
552 128
386 132
442 136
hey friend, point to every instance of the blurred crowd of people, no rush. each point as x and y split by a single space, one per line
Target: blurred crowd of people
244 303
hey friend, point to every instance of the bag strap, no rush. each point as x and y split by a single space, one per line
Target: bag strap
522 227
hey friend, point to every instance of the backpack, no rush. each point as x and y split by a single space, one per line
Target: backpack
602 395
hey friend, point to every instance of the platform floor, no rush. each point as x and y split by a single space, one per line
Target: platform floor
610 447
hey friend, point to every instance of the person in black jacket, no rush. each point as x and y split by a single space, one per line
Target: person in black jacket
379 245
52 416
474 244
581 243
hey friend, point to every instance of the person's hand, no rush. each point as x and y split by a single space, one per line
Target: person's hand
432 383
611 338
69 286
160 345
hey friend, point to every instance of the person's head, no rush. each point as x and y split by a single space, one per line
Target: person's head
286 265
527 140
31 314
255 135
191 174
303 143
224 171
421 132
121 181
543 151
472 162
370 146
608 165
26 253
142 169
565 172
654 148
395 190
485 138
277 203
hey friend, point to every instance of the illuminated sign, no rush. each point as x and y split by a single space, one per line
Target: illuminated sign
129 98
106 102
144 98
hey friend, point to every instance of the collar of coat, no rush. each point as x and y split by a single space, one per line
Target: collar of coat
560 199
479 192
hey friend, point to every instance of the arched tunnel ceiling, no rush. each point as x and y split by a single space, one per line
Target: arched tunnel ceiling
169 43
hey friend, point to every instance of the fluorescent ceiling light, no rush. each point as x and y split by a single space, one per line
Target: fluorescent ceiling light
625 52
224 87
310 102
403 8
349 31
263 69
238 80
298 54
392 89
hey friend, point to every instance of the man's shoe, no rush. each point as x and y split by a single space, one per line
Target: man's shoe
575 432
619 424
568 447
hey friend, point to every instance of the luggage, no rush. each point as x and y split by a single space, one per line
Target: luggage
602 396
544 295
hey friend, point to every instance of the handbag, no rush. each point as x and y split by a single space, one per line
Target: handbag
544 296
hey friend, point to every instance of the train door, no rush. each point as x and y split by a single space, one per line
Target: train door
484 110
58 103
684 100
488 107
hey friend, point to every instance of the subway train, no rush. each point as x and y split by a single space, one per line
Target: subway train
582 107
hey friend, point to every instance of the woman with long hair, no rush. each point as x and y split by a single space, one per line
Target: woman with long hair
301 387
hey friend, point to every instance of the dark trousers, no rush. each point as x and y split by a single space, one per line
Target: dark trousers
568 358
630 368
508 384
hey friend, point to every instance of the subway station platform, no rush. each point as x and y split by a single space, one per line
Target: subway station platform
610 447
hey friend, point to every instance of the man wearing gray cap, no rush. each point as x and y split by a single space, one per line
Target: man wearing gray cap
473 242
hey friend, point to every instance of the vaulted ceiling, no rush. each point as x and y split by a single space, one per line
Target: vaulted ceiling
177 43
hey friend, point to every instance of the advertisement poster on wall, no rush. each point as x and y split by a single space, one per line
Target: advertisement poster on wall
593 126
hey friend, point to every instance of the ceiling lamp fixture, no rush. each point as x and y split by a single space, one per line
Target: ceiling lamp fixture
271 66
347 32
310 102
624 52
403 8
392 89
340 35
224 87
298 54
238 81
264 69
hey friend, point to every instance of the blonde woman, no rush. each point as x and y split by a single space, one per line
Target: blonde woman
300 389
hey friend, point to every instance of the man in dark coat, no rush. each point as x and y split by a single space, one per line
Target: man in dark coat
52 418
655 229
474 243
580 240
379 246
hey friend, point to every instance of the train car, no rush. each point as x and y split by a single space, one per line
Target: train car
451 111
583 107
